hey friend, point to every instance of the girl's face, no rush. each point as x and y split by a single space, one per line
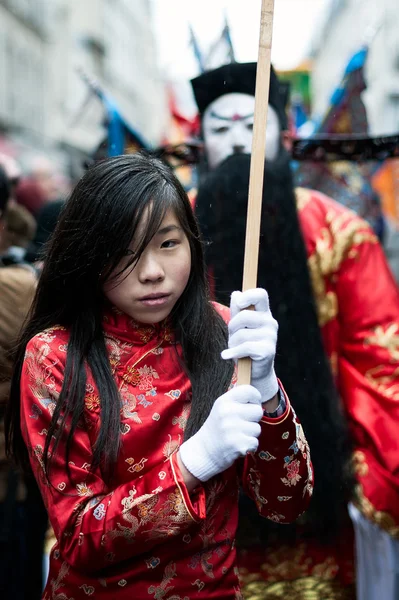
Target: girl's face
149 291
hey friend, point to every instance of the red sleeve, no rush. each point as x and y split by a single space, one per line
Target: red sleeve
368 374
96 526
279 476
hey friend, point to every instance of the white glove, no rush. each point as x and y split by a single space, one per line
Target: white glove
253 334
231 430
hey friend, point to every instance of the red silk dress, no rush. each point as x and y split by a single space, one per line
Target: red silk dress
147 537
358 309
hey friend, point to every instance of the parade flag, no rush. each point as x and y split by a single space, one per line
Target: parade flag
347 113
121 137
197 50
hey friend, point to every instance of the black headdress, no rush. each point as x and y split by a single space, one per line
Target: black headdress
237 78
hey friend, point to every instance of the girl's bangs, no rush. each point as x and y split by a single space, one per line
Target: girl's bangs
151 210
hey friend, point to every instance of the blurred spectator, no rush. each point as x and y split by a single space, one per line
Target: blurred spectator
5 193
23 518
18 233
30 195
12 171
46 221
43 172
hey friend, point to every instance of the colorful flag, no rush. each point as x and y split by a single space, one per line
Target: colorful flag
347 113
121 137
197 50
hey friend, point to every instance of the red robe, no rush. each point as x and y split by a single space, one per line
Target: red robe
358 309
147 537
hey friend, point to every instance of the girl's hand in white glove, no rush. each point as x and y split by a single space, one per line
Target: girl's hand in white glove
253 334
231 430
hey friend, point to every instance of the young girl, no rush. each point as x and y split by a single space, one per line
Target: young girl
122 399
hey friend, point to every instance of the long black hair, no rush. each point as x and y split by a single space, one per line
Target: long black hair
301 361
94 231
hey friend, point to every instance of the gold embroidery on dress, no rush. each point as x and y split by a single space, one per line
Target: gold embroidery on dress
160 591
290 577
360 465
339 240
386 337
307 588
56 583
165 521
385 384
182 420
171 446
303 197
383 519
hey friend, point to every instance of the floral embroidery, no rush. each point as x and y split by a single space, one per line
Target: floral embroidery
92 401
293 476
285 435
83 490
162 475
147 375
156 417
284 498
132 376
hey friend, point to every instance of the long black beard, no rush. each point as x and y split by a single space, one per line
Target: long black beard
301 362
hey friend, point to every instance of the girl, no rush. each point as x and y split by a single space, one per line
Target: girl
121 399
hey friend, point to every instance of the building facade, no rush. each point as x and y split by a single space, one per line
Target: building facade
45 105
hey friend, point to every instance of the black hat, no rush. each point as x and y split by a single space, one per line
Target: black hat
237 78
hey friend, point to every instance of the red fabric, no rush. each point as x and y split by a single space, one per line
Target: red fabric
147 537
362 339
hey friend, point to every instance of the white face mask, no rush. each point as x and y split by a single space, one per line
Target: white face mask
228 126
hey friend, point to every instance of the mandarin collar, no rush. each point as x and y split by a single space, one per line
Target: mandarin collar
120 325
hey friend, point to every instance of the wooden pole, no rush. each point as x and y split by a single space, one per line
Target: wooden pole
257 164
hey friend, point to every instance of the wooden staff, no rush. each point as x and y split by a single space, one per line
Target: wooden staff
257 164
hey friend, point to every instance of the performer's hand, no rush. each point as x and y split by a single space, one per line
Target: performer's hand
231 430
253 334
